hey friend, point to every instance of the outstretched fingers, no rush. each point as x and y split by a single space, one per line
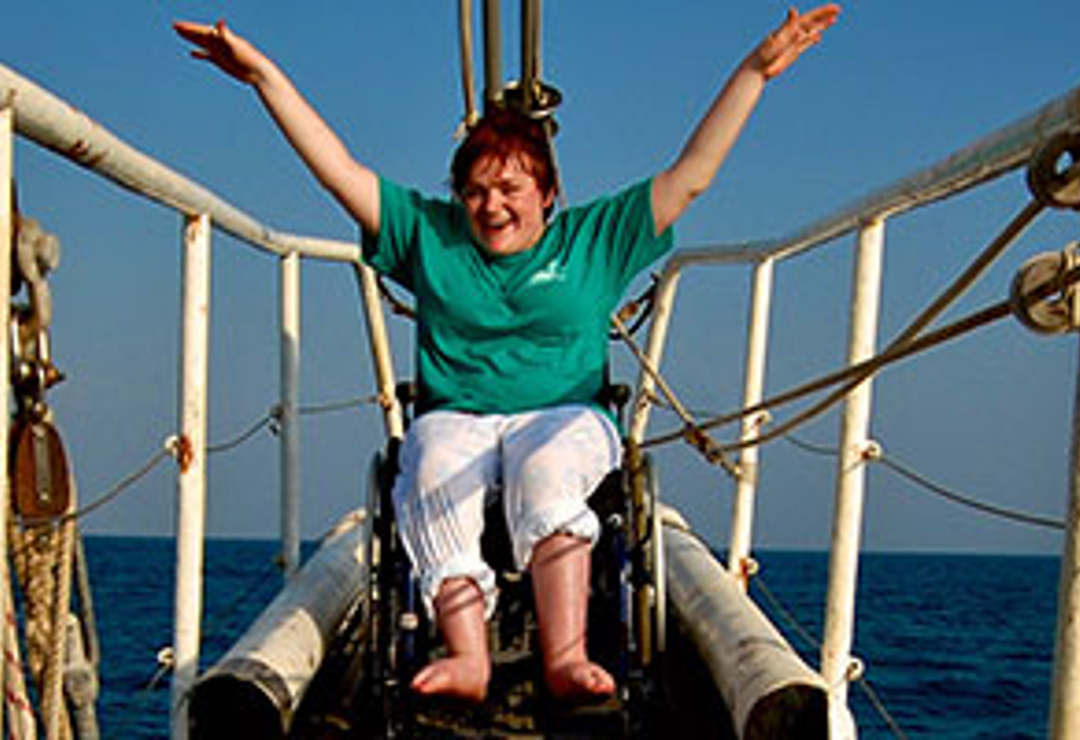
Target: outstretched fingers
219 45
795 35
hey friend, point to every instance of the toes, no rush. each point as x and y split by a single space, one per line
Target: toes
430 679
452 677
580 680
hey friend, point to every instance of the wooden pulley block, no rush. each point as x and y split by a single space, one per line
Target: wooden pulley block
39 470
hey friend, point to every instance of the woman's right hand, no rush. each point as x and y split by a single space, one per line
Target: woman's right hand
229 51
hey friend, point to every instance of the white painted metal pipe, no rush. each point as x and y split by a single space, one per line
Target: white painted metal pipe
7 219
393 419
44 118
191 481
757 338
1065 695
851 477
764 683
255 688
997 153
290 413
654 350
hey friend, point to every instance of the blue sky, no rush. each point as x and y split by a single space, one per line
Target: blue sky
894 87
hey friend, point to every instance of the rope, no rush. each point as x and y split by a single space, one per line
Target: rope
86 603
112 493
19 709
342 405
1008 235
929 340
168 450
999 511
936 488
266 420
220 626
813 642
35 557
785 613
811 447
692 431
634 306
53 707
905 344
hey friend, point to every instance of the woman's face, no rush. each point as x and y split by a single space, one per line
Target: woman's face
504 204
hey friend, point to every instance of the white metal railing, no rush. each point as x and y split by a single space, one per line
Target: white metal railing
41 117
32 112
6 225
988 158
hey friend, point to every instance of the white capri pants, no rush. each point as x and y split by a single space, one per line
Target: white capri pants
545 462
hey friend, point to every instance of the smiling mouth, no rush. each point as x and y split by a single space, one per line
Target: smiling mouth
490 227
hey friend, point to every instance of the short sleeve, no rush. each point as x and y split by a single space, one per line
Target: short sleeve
400 214
621 231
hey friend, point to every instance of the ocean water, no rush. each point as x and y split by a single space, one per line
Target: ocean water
955 646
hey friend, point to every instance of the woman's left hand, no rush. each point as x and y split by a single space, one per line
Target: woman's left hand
796 34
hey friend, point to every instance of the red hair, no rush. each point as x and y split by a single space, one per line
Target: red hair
505 134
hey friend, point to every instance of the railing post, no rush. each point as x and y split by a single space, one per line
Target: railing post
654 349
290 413
7 222
850 483
1065 693
393 418
191 481
757 337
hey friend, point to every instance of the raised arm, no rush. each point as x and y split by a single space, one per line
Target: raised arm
676 187
355 186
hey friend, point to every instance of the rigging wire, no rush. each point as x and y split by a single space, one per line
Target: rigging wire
956 329
936 488
342 405
266 420
999 511
804 634
905 343
692 431
124 483
168 450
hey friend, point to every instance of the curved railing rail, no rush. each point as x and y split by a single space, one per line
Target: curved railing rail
45 119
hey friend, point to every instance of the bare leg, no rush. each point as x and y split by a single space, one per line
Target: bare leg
465 672
560 576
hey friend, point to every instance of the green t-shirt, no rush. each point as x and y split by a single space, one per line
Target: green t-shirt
503 334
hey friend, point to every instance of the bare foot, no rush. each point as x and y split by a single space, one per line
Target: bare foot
459 676
579 680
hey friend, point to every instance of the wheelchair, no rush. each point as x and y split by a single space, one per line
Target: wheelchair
624 619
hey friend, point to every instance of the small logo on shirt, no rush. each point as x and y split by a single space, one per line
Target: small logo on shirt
552 272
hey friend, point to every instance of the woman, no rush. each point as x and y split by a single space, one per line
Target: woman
511 342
